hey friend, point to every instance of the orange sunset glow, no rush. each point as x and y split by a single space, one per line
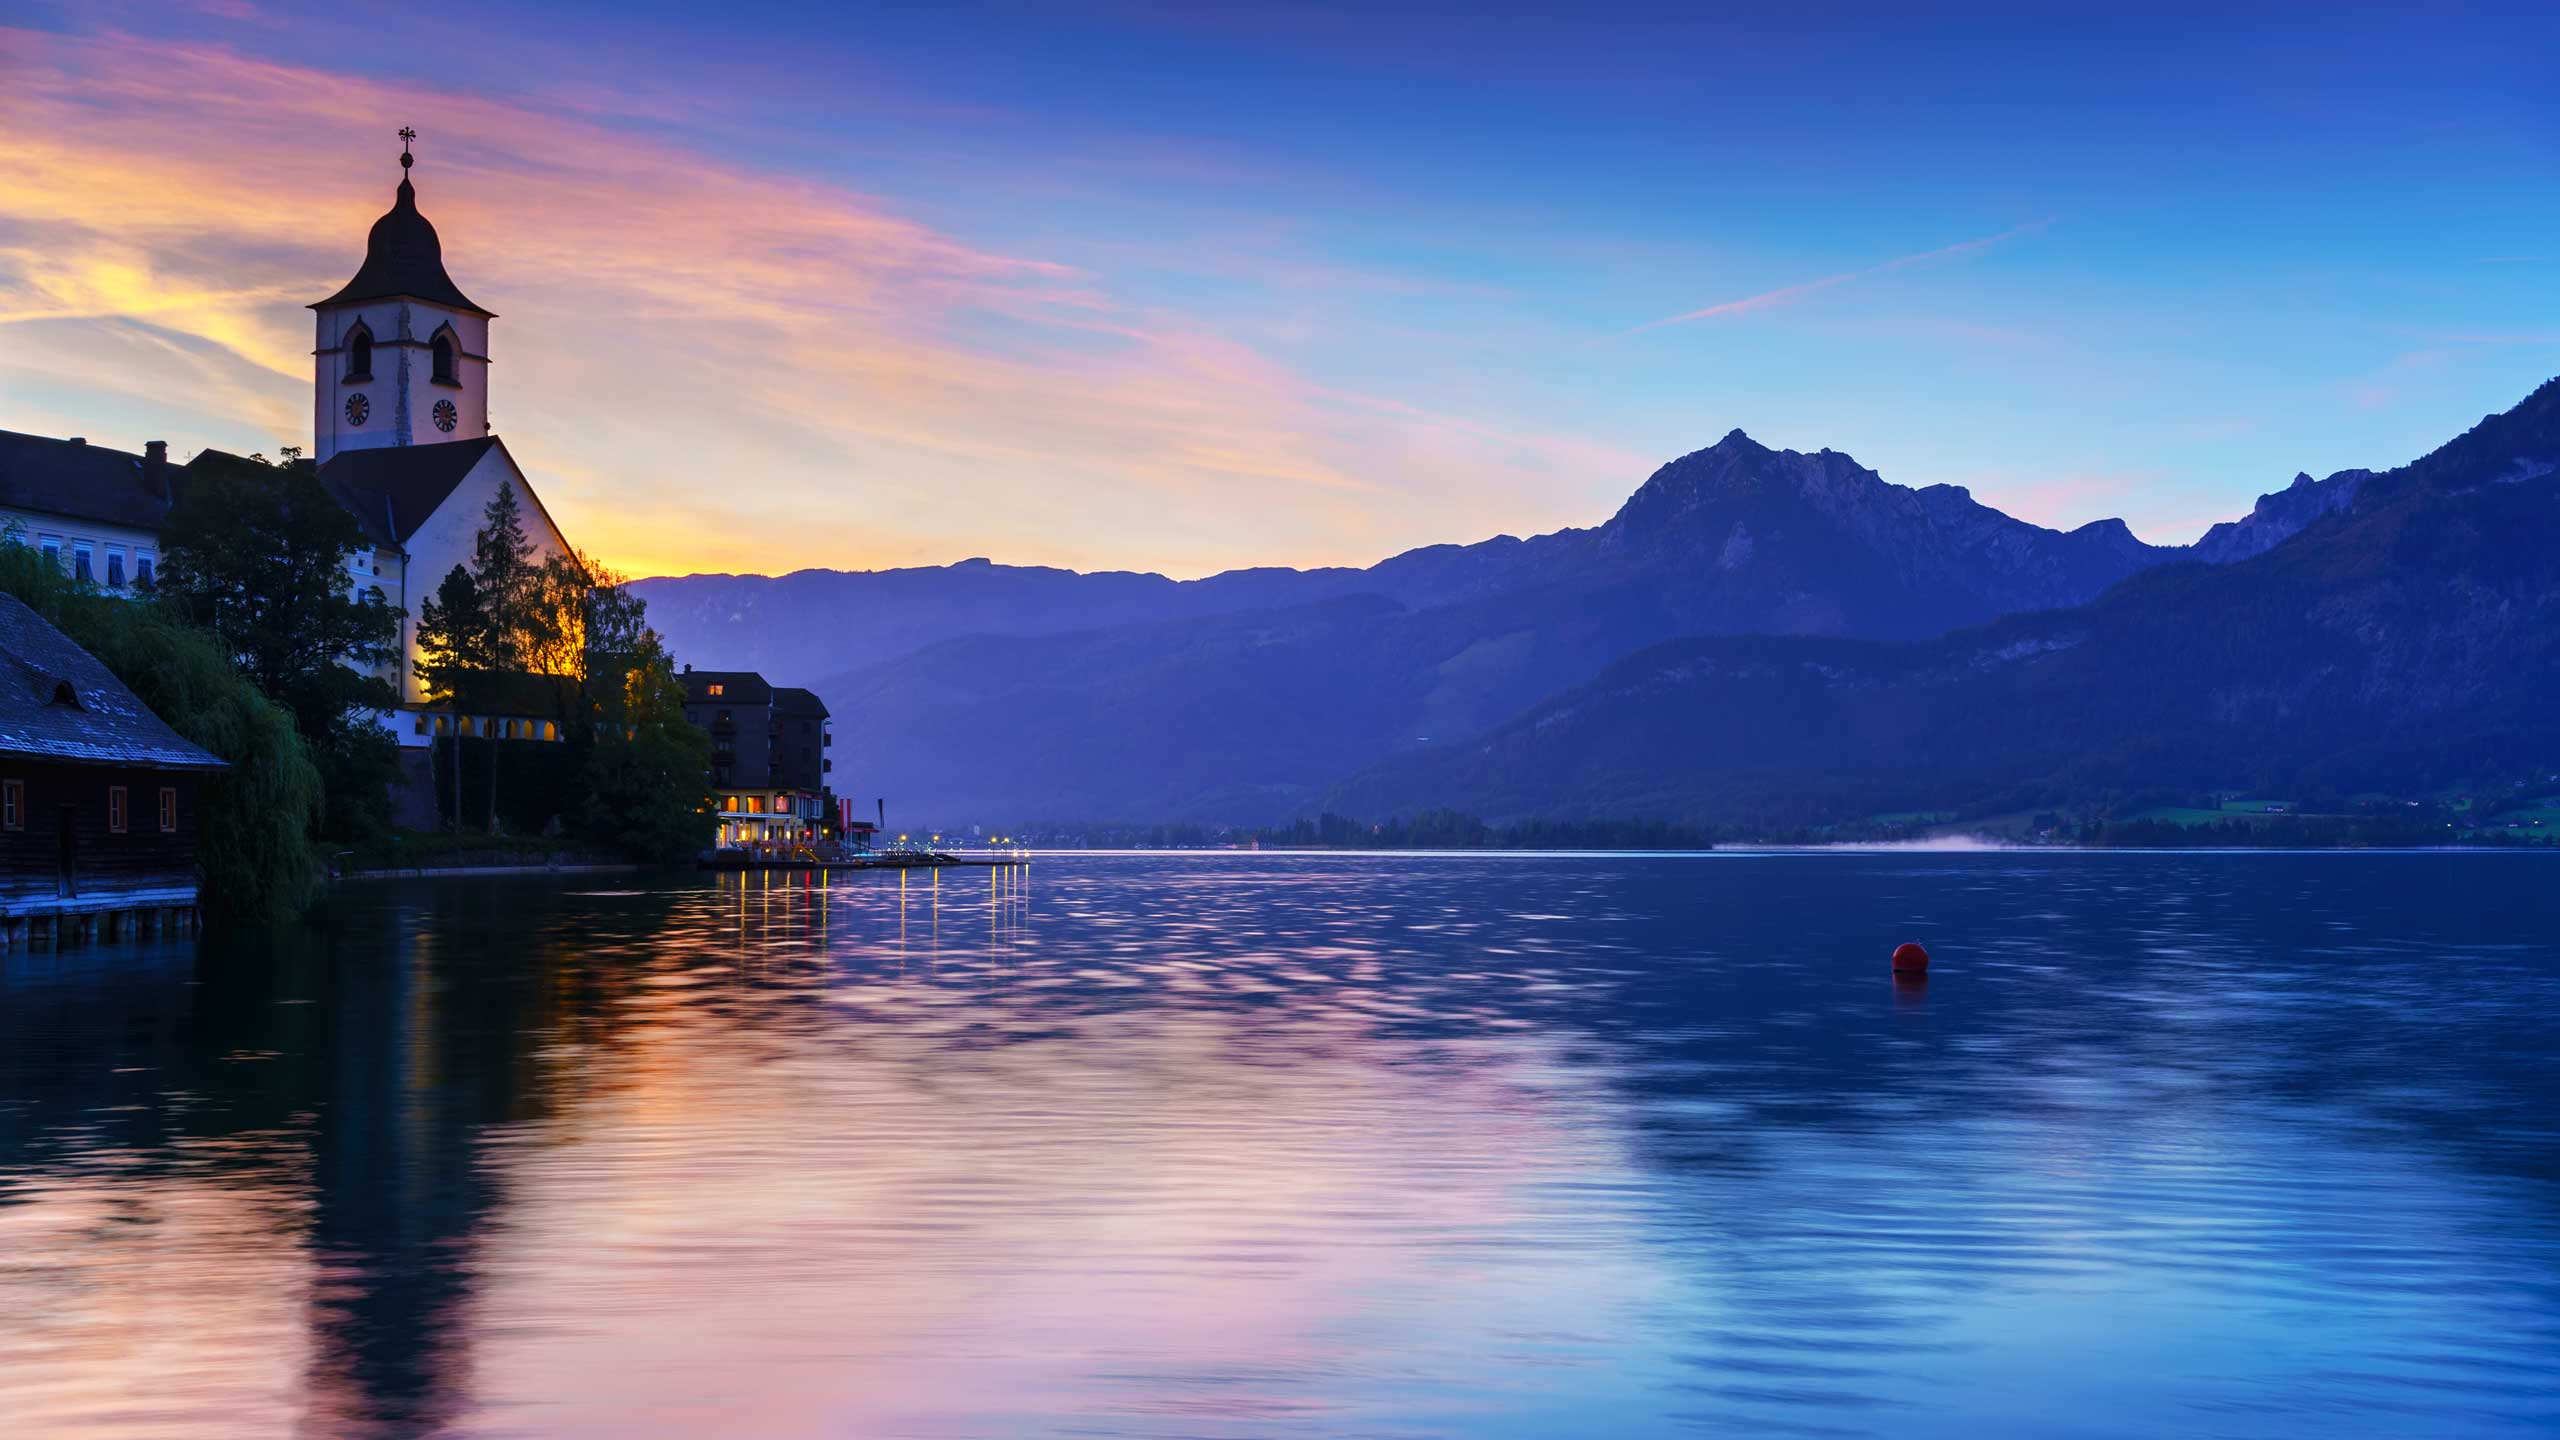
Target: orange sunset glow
781 374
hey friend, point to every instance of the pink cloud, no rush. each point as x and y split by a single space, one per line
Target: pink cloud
2065 502
705 366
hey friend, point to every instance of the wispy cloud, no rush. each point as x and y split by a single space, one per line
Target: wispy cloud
2218 428
705 366
1790 294
2493 337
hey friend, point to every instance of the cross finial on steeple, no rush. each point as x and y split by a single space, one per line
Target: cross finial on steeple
407 135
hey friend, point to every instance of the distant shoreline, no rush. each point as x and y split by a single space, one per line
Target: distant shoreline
422 872
1845 847
1743 852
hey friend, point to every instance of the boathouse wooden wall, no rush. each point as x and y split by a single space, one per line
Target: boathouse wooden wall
142 860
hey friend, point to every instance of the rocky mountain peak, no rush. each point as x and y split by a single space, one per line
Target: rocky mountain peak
2280 515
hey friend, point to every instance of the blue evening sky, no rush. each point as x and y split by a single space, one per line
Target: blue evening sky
2132 260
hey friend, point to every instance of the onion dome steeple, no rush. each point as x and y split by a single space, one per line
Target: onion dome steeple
402 257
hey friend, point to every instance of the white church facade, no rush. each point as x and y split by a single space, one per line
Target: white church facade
401 438
400 430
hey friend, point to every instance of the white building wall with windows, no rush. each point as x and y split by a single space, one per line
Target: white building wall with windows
114 556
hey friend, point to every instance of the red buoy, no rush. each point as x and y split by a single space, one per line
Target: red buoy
1909 958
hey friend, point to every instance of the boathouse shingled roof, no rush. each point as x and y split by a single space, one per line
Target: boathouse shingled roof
57 702
80 481
393 489
403 258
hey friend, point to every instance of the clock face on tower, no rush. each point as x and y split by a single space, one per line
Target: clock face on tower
446 416
358 408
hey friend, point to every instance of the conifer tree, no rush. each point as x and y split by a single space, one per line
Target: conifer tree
455 656
508 578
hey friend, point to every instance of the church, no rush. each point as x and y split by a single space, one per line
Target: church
400 431
400 435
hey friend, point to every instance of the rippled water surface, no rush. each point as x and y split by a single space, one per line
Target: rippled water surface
1252 1145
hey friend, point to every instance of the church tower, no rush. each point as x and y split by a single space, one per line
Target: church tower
402 356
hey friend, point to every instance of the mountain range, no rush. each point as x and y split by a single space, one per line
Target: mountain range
1757 635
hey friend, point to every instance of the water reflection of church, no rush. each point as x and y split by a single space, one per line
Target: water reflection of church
326 1099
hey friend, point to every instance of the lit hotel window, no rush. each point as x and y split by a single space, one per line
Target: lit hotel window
716 690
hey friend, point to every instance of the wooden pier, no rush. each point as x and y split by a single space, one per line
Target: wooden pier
740 860
62 924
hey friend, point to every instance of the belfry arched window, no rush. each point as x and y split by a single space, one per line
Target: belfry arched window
360 354
443 348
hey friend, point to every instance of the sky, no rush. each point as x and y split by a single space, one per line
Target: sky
1183 288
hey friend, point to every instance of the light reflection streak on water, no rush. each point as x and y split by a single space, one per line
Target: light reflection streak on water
1272 1146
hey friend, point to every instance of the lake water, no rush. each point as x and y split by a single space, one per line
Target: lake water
2226 1144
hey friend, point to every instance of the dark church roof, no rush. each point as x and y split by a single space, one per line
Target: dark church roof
57 702
393 489
402 257
80 481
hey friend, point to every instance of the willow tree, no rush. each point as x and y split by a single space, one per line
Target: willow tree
254 854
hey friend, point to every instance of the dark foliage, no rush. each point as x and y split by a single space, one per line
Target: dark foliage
1429 830
256 555
562 640
1456 830
539 792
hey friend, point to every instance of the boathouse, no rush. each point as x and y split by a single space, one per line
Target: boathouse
98 796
